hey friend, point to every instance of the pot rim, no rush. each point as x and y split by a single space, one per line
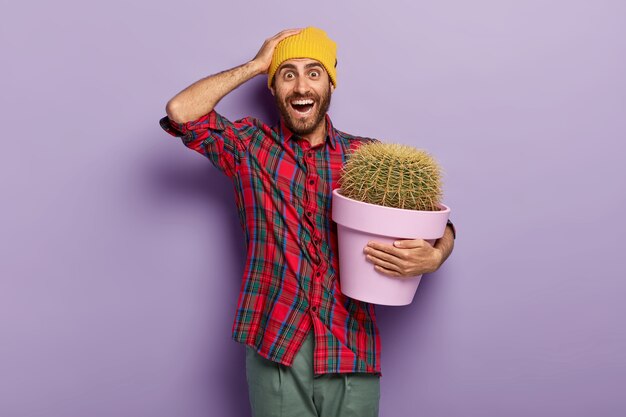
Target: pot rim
445 209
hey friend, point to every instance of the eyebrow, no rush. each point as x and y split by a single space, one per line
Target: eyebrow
307 66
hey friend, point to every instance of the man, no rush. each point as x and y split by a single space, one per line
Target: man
311 351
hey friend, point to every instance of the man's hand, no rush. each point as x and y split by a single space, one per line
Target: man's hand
263 58
405 258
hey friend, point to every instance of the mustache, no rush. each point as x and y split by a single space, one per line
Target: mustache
303 97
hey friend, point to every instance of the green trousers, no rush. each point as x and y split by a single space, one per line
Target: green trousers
281 391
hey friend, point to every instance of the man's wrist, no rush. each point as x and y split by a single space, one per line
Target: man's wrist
437 259
255 67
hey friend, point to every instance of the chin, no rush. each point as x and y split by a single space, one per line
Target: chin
302 128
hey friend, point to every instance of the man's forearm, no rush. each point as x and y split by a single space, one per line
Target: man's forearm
201 97
445 244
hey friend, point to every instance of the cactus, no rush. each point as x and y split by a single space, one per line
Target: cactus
392 175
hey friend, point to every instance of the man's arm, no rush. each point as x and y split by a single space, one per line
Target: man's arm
202 96
445 244
410 257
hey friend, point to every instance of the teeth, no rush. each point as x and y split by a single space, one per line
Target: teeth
302 102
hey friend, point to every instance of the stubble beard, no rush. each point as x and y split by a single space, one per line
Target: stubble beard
300 126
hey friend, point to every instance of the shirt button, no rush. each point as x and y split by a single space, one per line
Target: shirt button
311 182
314 309
309 214
318 274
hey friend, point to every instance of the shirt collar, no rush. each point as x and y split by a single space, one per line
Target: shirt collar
331 135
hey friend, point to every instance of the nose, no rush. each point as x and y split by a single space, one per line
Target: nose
302 86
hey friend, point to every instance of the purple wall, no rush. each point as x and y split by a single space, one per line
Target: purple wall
122 252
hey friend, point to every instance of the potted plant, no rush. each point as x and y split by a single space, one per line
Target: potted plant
386 192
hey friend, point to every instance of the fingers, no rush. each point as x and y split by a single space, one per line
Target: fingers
380 250
386 271
286 33
264 56
272 42
404 262
384 255
383 264
385 260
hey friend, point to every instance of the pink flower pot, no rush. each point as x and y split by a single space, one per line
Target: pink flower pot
357 224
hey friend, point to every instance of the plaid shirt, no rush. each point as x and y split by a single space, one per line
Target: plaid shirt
290 285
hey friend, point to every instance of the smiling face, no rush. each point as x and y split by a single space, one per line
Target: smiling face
302 90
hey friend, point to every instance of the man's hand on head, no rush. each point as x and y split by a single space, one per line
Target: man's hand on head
405 258
263 58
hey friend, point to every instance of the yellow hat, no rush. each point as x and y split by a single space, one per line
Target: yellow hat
310 43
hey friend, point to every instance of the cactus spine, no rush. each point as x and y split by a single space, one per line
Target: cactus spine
392 175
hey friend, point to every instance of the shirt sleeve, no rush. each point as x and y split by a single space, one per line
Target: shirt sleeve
213 136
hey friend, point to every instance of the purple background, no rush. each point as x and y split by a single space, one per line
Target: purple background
122 252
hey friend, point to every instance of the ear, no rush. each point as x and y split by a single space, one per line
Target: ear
272 91
332 87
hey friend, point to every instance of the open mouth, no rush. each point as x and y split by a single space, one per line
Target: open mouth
302 106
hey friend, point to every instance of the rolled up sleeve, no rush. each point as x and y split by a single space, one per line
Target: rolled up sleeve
213 136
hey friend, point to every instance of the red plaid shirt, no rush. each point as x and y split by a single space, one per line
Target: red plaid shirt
290 283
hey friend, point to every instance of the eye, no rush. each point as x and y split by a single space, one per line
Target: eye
289 75
314 73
